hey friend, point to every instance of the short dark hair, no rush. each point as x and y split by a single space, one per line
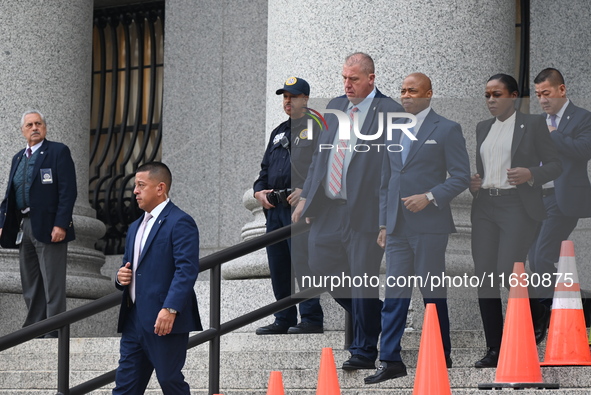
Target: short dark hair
551 75
158 170
507 80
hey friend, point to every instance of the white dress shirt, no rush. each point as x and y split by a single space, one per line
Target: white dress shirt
495 152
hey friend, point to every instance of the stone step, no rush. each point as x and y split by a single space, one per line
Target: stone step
241 341
247 360
466 378
199 360
377 391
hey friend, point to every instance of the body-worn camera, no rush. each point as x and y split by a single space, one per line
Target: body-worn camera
278 197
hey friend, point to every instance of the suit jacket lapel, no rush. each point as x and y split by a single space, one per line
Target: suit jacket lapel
518 133
15 164
569 113
427 128
481 134
154 231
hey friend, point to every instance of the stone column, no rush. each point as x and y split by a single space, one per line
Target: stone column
213 116
45 64
560 34
458 44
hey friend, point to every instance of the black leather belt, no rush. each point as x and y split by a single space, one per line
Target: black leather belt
494 192
547 192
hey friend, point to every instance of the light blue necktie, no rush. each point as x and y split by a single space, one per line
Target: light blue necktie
406 144
553 120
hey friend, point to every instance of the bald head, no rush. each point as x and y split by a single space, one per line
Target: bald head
420 79
416 93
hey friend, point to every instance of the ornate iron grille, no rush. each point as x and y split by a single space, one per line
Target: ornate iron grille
126 127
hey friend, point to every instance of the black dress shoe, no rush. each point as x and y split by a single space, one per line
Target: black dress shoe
273 329
305 327
387 371
358 362
490 360
541 324
448 362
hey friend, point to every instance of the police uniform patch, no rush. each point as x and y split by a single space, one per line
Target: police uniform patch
278 137
291 81
304 134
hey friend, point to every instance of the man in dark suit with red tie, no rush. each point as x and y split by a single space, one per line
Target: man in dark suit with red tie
568 197
341 192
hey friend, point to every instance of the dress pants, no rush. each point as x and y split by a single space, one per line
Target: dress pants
502 233
409 253
43 276
142 352
338 250
287 259
545 252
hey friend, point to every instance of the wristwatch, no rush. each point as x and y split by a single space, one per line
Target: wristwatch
430 197
171 311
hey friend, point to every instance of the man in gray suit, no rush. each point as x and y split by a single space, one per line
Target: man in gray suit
415 216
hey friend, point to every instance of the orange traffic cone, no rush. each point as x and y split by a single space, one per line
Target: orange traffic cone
567 337
328 382
431 374
275 386
518 365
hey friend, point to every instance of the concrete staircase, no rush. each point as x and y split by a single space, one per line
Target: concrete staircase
247 359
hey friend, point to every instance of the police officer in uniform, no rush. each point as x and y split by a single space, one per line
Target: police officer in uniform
283 171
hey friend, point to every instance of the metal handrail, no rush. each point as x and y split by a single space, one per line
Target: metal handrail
62 322
210 335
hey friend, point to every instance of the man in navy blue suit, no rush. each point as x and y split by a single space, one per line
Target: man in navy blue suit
415 217
36 217
568 197
341 193
159 306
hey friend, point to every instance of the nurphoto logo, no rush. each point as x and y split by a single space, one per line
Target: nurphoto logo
392 120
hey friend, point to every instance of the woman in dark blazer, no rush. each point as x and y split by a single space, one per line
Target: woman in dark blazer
515 156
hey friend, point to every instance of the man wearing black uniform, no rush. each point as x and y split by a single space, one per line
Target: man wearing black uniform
283 172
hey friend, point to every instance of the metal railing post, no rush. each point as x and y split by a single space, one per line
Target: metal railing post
348 330
63 360
212 262
215 296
